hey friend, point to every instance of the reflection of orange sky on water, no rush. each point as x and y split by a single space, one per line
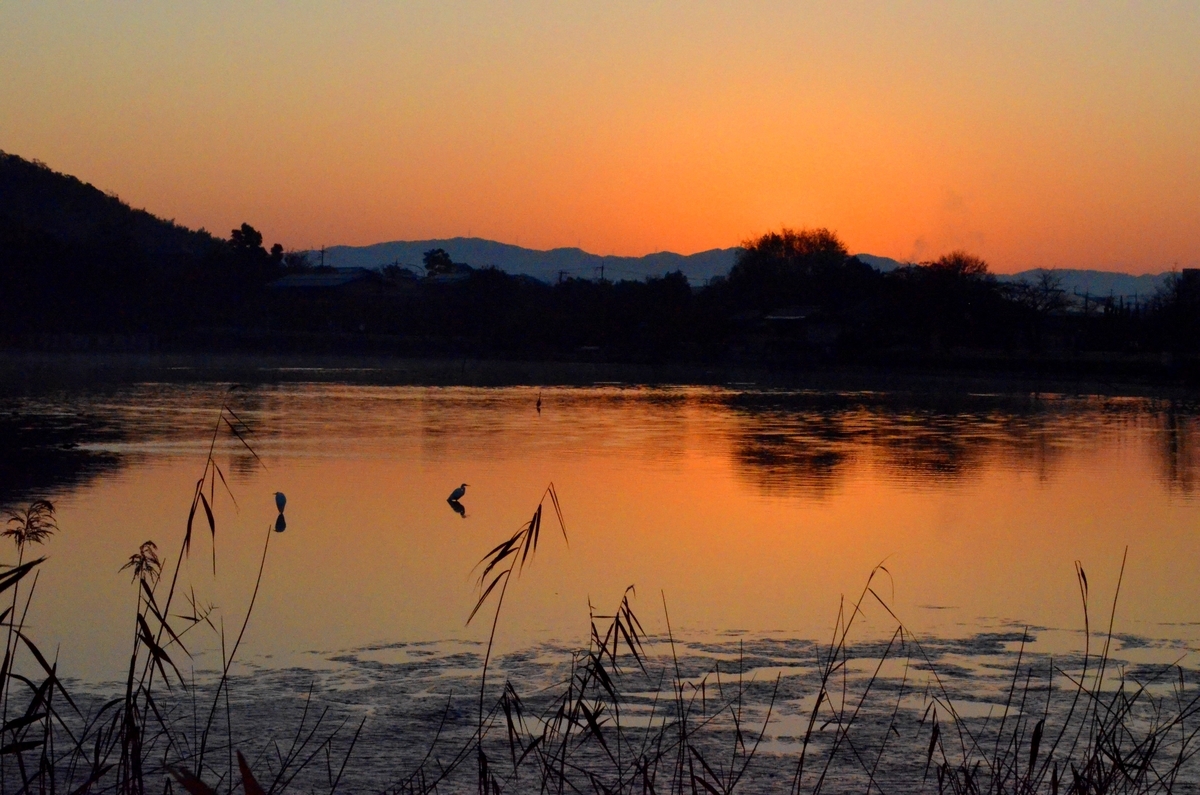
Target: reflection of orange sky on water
372 553
1035 134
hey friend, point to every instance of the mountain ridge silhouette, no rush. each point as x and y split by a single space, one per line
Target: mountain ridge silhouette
52 206
572 262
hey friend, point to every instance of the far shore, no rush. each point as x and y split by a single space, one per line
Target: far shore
31 372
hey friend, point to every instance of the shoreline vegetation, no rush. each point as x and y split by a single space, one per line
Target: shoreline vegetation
628 715
1143 375
88 275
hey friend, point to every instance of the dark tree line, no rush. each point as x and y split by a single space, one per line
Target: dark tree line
75 260
792 297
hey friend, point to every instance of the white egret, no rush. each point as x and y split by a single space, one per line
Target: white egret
457 494
280 501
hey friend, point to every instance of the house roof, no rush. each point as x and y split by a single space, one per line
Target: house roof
325 280
791 313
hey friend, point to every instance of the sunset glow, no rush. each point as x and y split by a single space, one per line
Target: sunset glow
1035 135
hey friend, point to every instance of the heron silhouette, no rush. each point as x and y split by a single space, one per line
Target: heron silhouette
458 493
280 500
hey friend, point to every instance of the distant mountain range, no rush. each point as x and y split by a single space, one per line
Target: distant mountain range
1099 284
543 265
1075 281
699 268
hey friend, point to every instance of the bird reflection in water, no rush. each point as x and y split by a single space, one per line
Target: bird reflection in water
453 500
280 502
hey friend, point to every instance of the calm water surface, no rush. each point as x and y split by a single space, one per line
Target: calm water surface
750 513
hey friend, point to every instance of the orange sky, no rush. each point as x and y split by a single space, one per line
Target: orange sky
1063 134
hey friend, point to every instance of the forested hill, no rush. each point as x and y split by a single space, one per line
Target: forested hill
46 203
75 259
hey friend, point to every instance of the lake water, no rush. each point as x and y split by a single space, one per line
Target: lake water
749 514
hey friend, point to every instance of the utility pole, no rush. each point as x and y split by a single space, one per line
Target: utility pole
322 256
562 275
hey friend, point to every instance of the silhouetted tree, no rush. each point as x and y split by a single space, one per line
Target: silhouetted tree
1175 312
1043 297
959 266
254 267
296 262
437 262
780 261
247 240
806 266
952 301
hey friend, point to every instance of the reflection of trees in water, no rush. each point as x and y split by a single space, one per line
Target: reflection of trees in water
808 452
246 405
243 466
798 443
45 440
809 443
934 446
1179 453
40 453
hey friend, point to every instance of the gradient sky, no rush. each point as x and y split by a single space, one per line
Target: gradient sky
1034 134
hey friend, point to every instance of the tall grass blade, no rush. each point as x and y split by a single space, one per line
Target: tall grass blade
249 785
190 782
